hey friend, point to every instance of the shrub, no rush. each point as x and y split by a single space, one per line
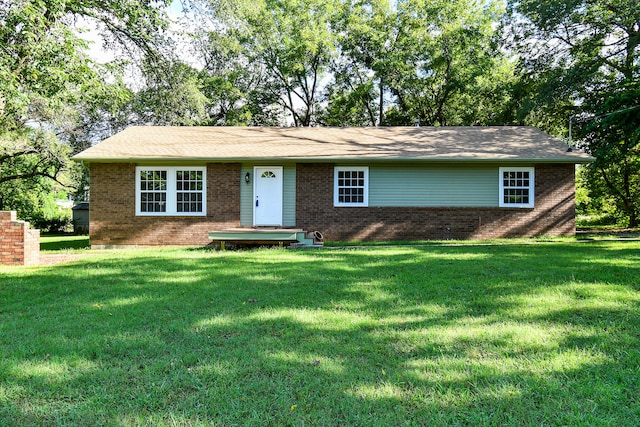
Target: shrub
49 216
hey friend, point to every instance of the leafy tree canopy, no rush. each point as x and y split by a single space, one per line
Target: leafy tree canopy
435 62
286 45
47 77
582 59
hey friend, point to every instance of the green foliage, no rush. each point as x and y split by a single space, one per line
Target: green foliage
23 196
105 107
55 100
350 103
438 336
31 154
614 138
286 45
42 66
233 84
581 59
594 205
173 97
43 73
433 62
453 64
49 216
38 202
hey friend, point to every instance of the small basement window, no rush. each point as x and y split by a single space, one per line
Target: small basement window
351 186
178 191
517 187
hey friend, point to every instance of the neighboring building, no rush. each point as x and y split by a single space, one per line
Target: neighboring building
173 185
80 214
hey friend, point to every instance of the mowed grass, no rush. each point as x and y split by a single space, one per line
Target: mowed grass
505 335
58 242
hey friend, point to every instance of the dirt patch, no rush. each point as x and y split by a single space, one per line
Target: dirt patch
52 259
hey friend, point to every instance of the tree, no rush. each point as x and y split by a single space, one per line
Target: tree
41 73
171 97
45 75
365 34
290 43
434 62
38 154
613 137
232 84
582 58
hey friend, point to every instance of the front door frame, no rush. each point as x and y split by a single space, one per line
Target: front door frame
278 203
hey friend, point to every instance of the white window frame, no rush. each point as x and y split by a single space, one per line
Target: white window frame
530 187
171 190
336 195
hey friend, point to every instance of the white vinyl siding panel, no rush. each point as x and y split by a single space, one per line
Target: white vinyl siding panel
433 186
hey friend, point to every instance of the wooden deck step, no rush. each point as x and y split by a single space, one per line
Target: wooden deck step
262 236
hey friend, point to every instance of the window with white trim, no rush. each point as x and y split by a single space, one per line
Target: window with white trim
179 191
351 186
517 187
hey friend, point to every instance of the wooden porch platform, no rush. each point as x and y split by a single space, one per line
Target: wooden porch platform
280 236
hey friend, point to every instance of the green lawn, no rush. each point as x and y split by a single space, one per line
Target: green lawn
55 242
507 335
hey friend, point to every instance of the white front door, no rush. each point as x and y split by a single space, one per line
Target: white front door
267 195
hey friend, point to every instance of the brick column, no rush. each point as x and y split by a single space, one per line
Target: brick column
19 245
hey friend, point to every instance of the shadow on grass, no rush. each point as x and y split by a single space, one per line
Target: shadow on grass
502 335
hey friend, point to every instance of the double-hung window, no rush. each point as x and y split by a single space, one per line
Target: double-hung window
179 191
351 186
517 187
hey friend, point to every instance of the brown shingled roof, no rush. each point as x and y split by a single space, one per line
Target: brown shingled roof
168 143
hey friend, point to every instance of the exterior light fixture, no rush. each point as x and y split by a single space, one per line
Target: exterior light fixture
247 178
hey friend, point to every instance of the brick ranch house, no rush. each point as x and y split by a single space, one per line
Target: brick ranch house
174 185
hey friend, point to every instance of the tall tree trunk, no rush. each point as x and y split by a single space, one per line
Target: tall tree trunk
633 219
623 195
381 106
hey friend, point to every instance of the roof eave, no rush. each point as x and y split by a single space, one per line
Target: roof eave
573 160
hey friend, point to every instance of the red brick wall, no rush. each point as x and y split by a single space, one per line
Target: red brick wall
113 218
554 212
19 245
